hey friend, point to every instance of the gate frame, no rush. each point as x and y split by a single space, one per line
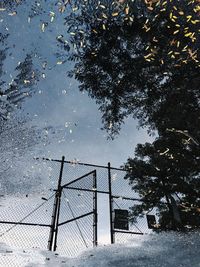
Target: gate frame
52 242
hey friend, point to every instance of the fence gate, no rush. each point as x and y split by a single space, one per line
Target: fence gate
74 217
66 220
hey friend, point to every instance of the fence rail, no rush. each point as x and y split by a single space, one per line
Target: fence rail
68 217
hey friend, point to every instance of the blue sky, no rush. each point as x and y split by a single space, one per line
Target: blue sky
57 101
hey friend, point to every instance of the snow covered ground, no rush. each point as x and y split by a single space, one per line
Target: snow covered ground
163 250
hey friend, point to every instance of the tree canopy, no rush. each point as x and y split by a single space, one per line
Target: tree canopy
141 59
165 171
133 57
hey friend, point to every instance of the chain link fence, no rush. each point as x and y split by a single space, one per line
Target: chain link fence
63 215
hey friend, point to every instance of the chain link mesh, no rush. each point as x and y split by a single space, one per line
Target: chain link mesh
20 211
25 218
76 235
77 201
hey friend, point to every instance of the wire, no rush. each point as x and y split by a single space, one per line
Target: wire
76 222
132 222
26 216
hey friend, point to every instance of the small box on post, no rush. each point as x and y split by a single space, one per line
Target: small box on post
151 221
121 219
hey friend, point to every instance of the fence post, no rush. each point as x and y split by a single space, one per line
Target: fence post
110 204
95 209
56 211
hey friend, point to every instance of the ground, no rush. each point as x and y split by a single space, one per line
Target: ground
155 250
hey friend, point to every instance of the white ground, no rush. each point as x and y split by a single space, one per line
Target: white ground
163 250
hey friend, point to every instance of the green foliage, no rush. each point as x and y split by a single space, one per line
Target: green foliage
165 170
141 59
133 62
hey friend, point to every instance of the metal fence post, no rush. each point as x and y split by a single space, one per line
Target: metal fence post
110 204
95 209
52 243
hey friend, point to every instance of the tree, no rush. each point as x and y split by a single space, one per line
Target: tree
166 175
139 55
21 87
141 59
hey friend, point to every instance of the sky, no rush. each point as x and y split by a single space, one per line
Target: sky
69 118
58 102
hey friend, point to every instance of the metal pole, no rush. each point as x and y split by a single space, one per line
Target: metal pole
95 218
56 211
110 204
57 221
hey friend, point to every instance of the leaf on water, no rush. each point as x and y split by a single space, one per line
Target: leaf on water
126 10
26 81
115 14
61 9
43 27
102 6
52 16
74 8
14 13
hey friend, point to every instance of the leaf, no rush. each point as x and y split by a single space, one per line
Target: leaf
14 13
43 27
127 10
115 14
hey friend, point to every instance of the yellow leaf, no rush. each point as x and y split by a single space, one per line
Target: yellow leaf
126 10
74 8
188 34
12 13
104 16
176 32
115 14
